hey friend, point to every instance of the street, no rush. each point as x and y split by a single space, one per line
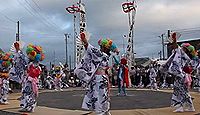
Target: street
68 102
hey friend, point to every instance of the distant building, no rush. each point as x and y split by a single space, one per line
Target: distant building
144 61
194 42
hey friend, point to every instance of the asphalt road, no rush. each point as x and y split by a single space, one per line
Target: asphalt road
8 113
136 99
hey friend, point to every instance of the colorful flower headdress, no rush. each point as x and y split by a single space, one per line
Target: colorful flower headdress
190 48
5 58
35 53
107 43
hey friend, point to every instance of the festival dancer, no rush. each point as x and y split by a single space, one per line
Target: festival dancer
5 64
58 78
30 87
178 64
49 82
92 71
19 63
198 72
152 77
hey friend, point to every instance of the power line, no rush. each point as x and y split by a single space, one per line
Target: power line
42 16
36 4
41 11
5 27
5 30
27 9
8 18
38 13
45 35
187 29
193 31
190 32
34 15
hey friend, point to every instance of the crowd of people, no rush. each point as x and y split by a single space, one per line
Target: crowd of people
58 77
151 76
181 72
176 73
144 77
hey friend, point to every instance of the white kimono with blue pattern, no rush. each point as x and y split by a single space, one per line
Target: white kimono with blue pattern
97 97
4 85
176 62
18 70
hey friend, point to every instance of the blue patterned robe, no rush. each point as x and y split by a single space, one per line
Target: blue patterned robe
176 62
28 100
17 71
97 96
4 85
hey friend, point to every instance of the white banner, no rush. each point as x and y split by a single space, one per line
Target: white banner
82 18
79 46
130 48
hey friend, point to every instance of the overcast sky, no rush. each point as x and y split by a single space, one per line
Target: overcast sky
44 22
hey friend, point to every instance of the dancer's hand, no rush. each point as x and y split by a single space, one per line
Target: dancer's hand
174 43
16 44
84 39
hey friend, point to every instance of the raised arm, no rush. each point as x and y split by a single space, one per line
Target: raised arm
174 43
84 39
16 46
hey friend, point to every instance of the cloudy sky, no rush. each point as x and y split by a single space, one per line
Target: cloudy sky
44 22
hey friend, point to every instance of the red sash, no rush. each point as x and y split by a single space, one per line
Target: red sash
33 71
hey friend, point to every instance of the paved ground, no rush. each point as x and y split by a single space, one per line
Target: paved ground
138 102
134 100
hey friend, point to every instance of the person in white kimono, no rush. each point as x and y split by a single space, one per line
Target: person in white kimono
4 85
198 72
92 71
178 64
18 69
152 77
58 78
164 84
30 83
5 64
19 64
49 82
30 88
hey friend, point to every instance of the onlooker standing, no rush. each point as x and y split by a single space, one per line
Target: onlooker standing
132 73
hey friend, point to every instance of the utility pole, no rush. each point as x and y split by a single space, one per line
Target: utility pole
70 63
124 37
50 65
75 51
54 57
66 53
168 36
163 45
159 53
17 34
168 33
